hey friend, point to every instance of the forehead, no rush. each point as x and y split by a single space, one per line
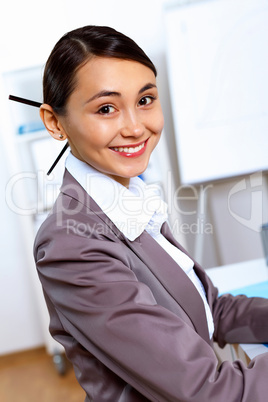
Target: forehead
111 73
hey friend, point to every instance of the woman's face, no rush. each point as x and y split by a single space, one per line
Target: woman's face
114 117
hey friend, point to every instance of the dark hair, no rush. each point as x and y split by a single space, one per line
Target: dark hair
74 49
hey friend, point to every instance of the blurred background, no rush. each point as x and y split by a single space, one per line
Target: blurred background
217 205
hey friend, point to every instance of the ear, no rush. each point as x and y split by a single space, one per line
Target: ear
51 122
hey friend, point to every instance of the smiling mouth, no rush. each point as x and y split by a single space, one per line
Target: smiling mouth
138 149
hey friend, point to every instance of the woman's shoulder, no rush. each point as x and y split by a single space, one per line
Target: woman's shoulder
75 215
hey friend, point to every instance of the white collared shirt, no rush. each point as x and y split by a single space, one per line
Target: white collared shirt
133 210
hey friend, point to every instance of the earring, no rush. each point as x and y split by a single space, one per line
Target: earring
60 136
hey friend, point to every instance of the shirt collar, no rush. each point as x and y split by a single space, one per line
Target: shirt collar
129 209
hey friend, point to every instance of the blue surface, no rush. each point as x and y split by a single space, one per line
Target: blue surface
31 127
258 289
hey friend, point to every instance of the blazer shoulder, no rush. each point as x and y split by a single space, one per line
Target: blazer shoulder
75 213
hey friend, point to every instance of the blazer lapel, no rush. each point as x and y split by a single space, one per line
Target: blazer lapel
198 270
173 279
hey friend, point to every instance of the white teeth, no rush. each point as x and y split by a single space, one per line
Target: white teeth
129 150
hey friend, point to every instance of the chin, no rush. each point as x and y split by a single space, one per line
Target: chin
137 172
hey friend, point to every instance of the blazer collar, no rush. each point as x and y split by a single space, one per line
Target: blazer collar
73 189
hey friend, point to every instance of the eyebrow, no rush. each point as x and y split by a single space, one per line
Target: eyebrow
146 87
105 92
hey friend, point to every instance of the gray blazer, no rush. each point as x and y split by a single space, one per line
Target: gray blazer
131 321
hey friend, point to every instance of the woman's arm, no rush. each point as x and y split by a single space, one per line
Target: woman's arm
239 319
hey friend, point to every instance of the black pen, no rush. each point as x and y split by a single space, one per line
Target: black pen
38 104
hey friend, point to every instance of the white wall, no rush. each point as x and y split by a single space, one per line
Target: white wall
28 31
20 324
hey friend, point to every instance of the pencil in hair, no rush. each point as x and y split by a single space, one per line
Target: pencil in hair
23 100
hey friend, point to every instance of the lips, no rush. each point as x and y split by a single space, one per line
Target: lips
130 150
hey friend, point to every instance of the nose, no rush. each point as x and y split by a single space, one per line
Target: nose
132 125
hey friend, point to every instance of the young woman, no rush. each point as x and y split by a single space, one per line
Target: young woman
135 314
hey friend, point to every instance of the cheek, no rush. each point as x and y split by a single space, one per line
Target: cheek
157 122
83 133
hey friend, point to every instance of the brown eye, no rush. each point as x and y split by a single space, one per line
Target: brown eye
146 100
106 109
